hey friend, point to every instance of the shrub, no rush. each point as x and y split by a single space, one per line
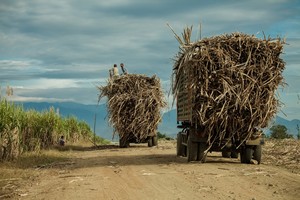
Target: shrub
279 132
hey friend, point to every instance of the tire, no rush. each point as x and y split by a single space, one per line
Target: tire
226 154
192 150
202 147
246 155
179 146
123 143
257 153
150 144
234 154
242 156
154 141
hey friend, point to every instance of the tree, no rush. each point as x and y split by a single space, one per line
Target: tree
279 132
163 136
160 135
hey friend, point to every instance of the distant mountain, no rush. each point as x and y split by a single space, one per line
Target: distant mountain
87 113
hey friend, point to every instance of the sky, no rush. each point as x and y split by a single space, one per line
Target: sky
60 50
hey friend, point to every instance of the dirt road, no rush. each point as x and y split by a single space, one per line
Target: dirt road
140 172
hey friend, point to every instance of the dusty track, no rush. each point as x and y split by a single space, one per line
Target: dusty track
140 172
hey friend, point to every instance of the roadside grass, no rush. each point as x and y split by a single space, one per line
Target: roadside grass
23 170
15 173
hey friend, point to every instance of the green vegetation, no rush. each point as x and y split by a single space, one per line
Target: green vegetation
163 136
279 132
26 131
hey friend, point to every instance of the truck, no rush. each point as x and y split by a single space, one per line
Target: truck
192 140
225 91
134 107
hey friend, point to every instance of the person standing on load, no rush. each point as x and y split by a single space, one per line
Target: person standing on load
123 69
115 71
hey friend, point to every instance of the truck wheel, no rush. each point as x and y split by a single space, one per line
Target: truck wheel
234 154
154 141
257 153
226 154
201 151
180 146
123 143
246 155
150 142
192 150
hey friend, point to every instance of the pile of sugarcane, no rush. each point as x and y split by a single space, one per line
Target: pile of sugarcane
134 105
232 79
284 153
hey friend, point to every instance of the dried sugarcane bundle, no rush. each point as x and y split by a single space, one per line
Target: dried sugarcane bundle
283 153
134 105
232 79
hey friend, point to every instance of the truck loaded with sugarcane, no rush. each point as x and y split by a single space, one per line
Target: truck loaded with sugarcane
134 107
224 88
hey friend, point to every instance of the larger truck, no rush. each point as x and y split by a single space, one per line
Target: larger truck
225 87
192 141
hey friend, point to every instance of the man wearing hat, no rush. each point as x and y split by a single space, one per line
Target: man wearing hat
115 71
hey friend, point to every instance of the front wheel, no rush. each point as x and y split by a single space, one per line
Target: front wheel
180 147
150 144
246 155
154 141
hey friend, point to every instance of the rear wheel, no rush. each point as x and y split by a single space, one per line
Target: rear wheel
257 153
192 150
226 154
180 146
202 147
123 143
234 154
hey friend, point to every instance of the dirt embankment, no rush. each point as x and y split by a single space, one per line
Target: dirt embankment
140 172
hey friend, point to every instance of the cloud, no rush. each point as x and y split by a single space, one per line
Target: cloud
84 95
59 49
37 99
19 70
